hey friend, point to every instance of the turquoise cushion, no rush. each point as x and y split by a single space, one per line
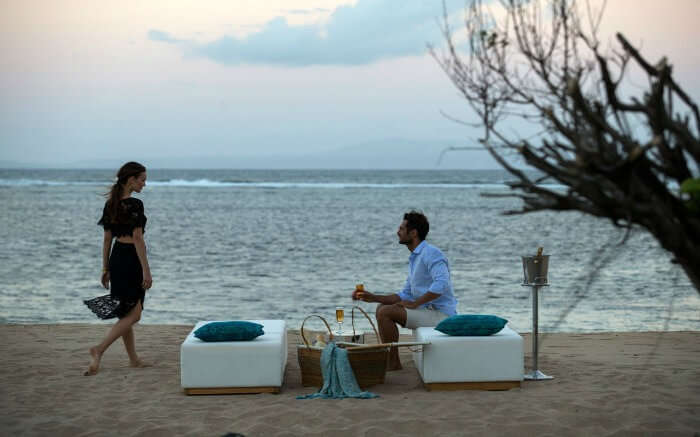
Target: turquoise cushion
229 331
471 325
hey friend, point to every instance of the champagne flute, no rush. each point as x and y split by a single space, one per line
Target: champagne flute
339 317
359 289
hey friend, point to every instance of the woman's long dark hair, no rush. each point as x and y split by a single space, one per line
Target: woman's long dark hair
114 194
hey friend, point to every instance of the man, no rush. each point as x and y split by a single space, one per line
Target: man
427 297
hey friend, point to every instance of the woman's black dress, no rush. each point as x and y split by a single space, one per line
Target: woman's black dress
125 272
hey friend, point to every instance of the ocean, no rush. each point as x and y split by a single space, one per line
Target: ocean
264 244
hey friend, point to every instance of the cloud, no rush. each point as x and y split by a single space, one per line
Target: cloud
366 32
157 35
307 11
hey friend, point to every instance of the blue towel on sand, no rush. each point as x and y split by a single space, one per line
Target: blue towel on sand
338 378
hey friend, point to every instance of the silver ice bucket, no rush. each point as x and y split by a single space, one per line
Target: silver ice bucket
535 269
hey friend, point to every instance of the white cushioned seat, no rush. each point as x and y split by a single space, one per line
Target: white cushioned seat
495 360
251 366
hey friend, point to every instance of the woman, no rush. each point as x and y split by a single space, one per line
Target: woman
126 268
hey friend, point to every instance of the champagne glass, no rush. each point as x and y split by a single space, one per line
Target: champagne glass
339 317
359 289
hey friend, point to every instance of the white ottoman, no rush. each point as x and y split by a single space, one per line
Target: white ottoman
493 362
255 366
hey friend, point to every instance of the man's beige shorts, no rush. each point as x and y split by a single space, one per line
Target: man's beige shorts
423 317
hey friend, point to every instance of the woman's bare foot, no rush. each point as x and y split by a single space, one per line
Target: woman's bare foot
94 366
139 363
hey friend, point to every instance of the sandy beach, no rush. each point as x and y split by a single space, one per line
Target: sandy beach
605 384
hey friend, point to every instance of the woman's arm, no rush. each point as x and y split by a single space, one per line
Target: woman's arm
140 245
106 248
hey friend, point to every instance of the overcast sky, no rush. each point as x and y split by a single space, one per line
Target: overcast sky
85 81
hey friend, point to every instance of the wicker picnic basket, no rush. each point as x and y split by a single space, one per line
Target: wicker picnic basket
368 364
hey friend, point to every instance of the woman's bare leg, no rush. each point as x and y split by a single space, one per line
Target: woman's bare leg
130 346
118 330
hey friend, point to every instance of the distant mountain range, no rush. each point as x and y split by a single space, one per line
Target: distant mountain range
385 154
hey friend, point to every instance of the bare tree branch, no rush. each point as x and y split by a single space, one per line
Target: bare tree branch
618 156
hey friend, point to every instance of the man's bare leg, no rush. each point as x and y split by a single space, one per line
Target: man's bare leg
387 318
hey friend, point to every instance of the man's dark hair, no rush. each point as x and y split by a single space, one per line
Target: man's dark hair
418 221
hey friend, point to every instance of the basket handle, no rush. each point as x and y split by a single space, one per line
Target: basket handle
352 319
306 342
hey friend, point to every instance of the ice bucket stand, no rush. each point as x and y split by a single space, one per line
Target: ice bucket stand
535 276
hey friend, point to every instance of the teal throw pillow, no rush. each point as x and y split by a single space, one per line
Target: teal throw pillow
471 325
229 331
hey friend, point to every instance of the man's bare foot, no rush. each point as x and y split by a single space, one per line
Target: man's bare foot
94 366
139 363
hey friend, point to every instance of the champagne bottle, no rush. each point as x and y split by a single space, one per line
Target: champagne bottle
539 251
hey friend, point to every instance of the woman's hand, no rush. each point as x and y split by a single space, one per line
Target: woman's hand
147 280
105 279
